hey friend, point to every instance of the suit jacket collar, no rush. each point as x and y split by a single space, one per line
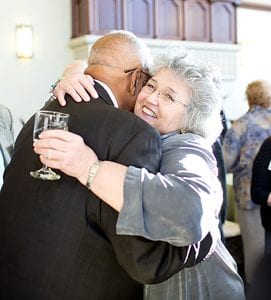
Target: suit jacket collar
109 92
104 92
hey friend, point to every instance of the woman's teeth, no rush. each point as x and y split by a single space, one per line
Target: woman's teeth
149 112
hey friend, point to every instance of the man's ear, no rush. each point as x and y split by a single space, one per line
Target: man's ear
136 82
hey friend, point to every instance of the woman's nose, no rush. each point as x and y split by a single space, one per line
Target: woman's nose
154 97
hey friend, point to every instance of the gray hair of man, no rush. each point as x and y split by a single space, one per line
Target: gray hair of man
202 115
108 45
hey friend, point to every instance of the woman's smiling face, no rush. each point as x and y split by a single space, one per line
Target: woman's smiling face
163 101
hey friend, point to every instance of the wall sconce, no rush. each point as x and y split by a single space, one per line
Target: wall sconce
24 41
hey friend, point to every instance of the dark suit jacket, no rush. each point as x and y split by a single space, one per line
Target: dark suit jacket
58 240
261 182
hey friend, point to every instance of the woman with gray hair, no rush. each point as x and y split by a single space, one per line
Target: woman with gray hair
180 204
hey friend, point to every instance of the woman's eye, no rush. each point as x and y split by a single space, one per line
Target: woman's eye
169 97
150 85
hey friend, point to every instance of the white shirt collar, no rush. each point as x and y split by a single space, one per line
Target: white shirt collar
110 93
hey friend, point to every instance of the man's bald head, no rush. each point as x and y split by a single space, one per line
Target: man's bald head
118 59
120 49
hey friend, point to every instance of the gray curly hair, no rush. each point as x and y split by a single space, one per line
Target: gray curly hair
202 115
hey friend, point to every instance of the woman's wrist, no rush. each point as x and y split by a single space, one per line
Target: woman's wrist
53 86
93 170
90 171
83 175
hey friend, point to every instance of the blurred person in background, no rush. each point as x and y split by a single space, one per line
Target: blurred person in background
241 144
261 188
261 194
6 139
218 153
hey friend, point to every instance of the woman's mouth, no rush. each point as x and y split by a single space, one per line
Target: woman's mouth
149 112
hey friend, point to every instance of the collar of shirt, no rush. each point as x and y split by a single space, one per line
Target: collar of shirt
110 93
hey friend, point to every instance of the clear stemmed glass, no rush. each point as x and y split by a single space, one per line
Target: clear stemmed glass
48 120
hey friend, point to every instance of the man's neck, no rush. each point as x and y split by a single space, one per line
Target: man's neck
110 93
107 81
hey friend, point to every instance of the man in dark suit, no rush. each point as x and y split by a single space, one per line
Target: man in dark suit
58 241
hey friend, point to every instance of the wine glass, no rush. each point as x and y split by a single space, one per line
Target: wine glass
48 120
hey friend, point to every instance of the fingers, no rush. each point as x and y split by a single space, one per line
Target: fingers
48 155
51 163
71 160
66 86
59 134
51 154
45 146
79 93
53 158
88 83
77 86
60 140
60 96
65 151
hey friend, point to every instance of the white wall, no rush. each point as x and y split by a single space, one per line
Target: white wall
25 84
254 57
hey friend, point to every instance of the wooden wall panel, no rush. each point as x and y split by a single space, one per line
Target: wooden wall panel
80 17
105 15
138 17
169 20
191 20
196 20
223 21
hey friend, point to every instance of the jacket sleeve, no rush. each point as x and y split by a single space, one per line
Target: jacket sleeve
178 205
261 174
146 260
151 262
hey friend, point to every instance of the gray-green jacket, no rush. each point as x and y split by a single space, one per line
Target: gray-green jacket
180 205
